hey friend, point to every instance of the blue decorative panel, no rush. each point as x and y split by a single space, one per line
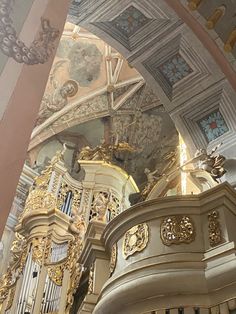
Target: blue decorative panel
130 21
175 69
213 125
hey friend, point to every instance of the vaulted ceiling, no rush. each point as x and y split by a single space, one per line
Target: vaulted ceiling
109 99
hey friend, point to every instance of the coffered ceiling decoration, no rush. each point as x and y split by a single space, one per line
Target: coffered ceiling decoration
213 125
169 48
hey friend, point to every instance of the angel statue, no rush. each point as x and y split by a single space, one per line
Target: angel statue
57 101
152 178
209 162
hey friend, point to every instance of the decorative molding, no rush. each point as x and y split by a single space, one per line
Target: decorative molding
11 46
177 229
214 229
135 240
176 66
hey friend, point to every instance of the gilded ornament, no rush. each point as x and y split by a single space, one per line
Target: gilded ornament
10 298
214 230
105 151
63 193
56 273
105 206
113 258
75 269
177 229
135 240
16 265
74 283
38 200
38 248
91 280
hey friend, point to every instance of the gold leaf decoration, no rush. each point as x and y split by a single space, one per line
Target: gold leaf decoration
135 240
56 273
214 229
113 258
177 229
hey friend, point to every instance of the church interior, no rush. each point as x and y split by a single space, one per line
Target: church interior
118 157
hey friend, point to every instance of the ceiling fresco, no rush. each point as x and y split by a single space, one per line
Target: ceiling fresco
93 94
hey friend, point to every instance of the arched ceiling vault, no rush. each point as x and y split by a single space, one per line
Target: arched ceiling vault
93 93
185 64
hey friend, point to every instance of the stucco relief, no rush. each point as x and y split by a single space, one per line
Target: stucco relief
88 109
40 50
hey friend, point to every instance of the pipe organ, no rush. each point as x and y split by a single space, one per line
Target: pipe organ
81 248
44 271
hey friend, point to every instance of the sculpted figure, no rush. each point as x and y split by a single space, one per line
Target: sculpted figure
58 100
100 204
209 162
78 225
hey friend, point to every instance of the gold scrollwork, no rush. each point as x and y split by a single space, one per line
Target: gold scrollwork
135 240
38 248
214 229
91 280
56 273
63 192
74 268
17 262
113 258
38 200
177 229
10 298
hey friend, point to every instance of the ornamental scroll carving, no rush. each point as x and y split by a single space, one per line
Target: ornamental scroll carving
91 280
105 206
17 262
56 273
215 236
38 200
38 248
40 50
113 258
135 240
177 229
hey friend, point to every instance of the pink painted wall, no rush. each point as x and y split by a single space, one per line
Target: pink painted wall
22 103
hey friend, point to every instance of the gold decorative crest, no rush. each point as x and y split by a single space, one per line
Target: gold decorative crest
40 199
91 280
113 258
56 273
214 229
177 229
38 248
135 240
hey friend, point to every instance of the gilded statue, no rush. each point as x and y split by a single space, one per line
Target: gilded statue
105 151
